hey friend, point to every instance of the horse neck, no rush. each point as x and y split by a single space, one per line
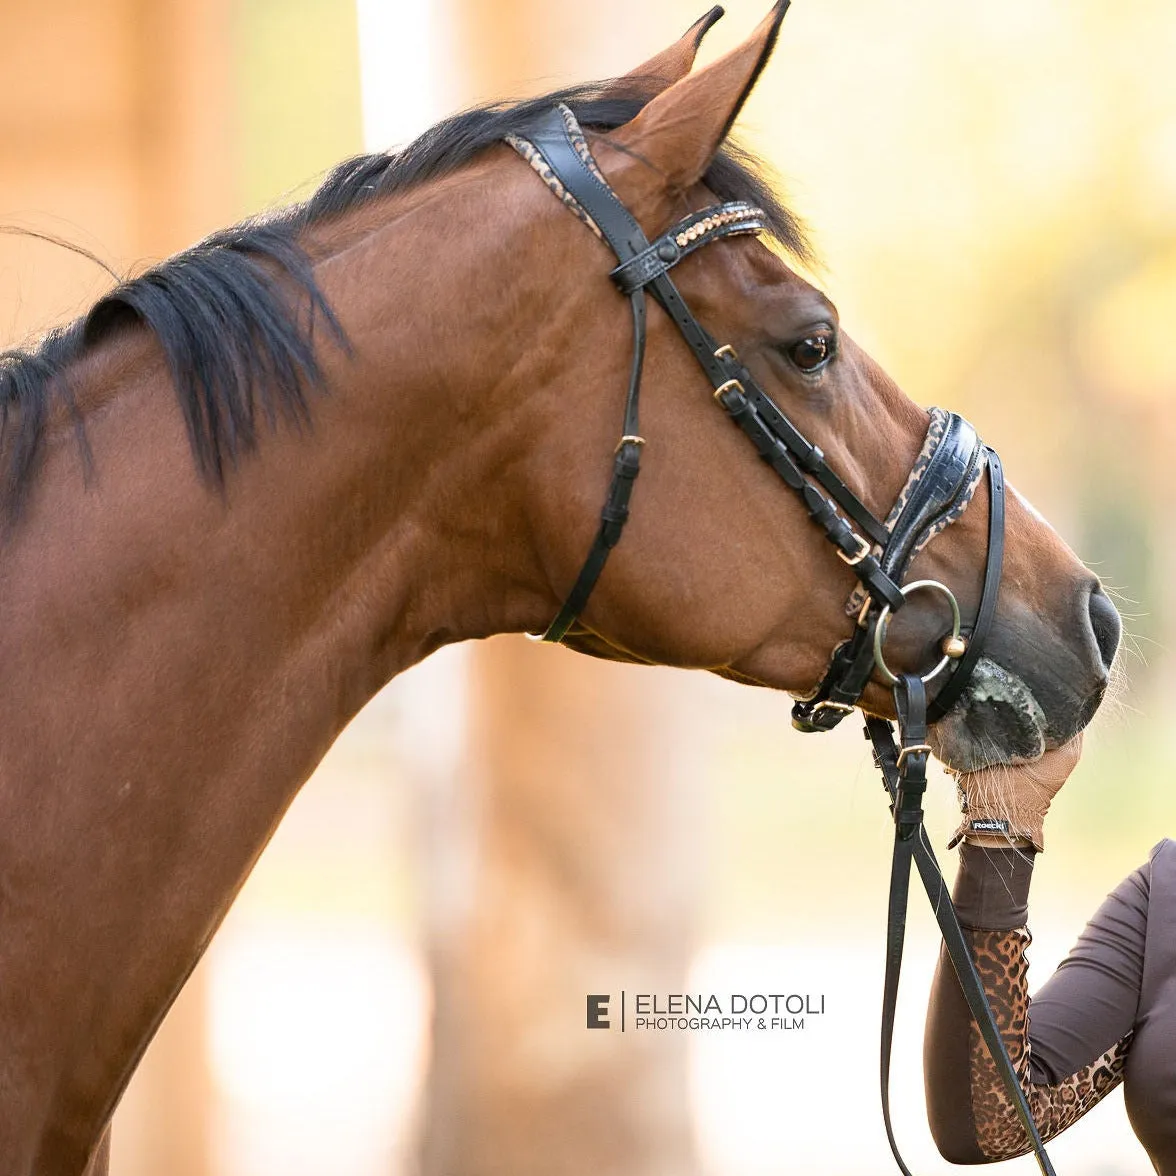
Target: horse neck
178 658
365 536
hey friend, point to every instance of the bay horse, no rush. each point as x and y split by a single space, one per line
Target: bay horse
253 484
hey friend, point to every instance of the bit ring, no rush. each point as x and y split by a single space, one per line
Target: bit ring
884 619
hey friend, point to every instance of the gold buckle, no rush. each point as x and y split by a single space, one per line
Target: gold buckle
728 386
911 751
854 560
631 438
727 352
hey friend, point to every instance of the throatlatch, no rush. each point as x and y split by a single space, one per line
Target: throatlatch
940 487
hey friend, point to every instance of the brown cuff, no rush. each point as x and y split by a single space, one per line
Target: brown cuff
990 832
992 887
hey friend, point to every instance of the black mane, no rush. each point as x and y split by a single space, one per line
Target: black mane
222 310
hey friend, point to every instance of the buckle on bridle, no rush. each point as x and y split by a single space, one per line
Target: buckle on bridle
728 386
863 551
915 747
828 704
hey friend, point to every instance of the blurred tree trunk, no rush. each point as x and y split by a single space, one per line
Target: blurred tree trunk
115 138
578 836
163 1123
182 122
579 879
568 850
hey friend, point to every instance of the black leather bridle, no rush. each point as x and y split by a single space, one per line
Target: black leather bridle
879 552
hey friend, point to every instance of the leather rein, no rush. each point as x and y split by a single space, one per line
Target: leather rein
942 483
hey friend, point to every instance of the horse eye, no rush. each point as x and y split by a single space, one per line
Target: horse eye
813 351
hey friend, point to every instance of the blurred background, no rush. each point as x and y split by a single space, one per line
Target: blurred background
400 987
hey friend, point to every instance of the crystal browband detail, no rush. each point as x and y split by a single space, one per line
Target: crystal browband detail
690 233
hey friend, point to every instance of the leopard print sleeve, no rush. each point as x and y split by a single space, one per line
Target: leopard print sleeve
1003 969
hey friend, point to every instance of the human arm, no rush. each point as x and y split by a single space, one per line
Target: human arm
1068 1045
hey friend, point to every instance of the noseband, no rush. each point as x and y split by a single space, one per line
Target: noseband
940 486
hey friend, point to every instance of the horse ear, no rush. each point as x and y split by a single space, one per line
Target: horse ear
669 66
680 130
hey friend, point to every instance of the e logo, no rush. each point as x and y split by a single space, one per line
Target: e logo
598 1012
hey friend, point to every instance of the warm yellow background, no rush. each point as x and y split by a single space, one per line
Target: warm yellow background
992 190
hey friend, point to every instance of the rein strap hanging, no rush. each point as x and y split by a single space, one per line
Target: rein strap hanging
904 775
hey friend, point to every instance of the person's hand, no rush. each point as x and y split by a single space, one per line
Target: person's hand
1006 805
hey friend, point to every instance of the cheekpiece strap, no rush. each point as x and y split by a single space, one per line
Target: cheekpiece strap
989 593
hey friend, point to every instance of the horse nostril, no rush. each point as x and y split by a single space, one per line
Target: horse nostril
1104 620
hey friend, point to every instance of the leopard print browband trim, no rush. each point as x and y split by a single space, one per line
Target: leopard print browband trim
1003 968
542 168
935 431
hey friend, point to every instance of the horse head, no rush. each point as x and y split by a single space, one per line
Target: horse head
720 567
